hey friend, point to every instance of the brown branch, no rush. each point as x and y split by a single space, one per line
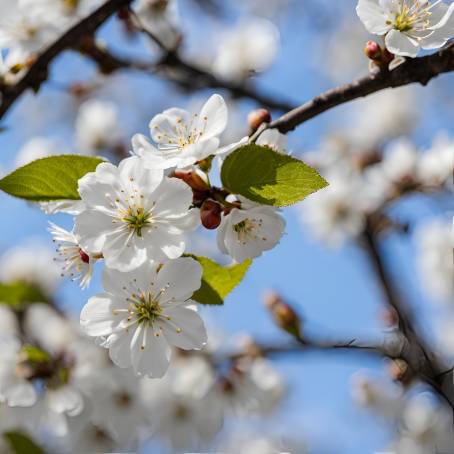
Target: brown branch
418 70
419 356
38 72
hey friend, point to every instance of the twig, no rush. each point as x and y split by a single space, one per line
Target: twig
418 70
38 71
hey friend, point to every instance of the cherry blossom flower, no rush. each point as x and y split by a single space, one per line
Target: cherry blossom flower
183 138
15 389
250 47
32 263
409 25
249 230
143 313
76 262
133 214
23 28
273 139
36 148
161 18
97 125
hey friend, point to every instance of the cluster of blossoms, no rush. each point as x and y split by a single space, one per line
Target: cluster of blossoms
27 27
136 217
67 394
422 419
368 181
407 26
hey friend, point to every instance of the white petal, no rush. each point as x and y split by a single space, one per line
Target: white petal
91 227
150 352
20 394
120 348
98 316
147 180
94 185
400 44
65 400
193 334
122 253
372 16
173 197
213 117
181 278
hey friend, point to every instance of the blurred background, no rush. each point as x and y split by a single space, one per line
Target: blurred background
387 157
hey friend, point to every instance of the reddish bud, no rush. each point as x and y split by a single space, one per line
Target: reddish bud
123 14
210 214
399 370
389 317
283 314
194 178
257 117
84 256
373 50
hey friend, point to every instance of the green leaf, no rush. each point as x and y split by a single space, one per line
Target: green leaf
19 294
21 443
217 280
268 177
51 178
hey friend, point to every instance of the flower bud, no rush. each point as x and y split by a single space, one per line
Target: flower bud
210 214
283 314
400 371
389 317
257 117
373 51
194 178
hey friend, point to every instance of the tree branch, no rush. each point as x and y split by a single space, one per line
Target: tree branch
417 70
418 355
39 70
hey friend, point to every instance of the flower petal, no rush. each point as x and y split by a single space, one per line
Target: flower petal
213 117
150 352
372 16
99 317
400 44
180 277
185 329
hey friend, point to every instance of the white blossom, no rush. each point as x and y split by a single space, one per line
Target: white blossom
49 329
249 230
133 214
436 165
435 241
97 125
408 25
143 313
249 47
32 263
252 386
36 148
182 409
273 139
77 264
21 28
337 213
183 138
160 17
15 389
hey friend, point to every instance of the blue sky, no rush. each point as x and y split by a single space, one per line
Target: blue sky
334 291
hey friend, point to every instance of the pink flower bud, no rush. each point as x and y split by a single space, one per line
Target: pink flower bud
210 214
373 50
257 117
